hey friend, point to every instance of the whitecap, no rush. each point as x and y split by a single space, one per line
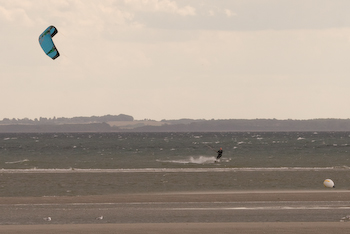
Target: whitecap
173 170
166 170
192 160
15 162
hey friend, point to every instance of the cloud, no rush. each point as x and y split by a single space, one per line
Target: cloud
229 13
165 6
15 16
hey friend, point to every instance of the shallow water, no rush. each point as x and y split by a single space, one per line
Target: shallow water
174 150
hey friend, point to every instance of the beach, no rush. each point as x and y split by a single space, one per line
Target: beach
169 183
206 228
182 212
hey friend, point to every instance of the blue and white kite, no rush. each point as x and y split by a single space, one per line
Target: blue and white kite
46 43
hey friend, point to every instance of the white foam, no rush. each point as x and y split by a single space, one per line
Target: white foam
267 208
15 162
194 160
172 170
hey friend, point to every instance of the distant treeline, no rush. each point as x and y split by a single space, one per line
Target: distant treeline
93 127
63 120
237 125
100 124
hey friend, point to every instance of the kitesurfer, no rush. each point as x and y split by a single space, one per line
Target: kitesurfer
219 153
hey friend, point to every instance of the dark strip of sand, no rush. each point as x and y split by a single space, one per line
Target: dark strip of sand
172 228
202 228
325 195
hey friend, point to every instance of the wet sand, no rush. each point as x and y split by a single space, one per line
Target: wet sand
200 228
33 184
182 227
216 196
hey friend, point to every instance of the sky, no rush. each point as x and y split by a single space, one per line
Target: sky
167 59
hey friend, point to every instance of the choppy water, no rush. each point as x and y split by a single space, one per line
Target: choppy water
174 150
98 163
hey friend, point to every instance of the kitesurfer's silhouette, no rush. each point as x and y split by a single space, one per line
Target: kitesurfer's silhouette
219 153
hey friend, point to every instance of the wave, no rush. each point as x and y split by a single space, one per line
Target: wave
15 162
173 170
194 160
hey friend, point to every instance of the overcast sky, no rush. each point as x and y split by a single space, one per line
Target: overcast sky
166 59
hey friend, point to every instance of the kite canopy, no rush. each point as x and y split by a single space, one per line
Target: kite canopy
46 43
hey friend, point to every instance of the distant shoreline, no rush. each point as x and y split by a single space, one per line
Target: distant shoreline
124 123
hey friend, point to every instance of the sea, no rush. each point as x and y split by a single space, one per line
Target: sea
77 164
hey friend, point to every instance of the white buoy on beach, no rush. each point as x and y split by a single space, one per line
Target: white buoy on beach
328 183
345 219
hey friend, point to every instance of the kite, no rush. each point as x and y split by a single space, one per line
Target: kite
46 43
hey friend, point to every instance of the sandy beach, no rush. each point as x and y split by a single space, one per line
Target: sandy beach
215 196
172 228
208 204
